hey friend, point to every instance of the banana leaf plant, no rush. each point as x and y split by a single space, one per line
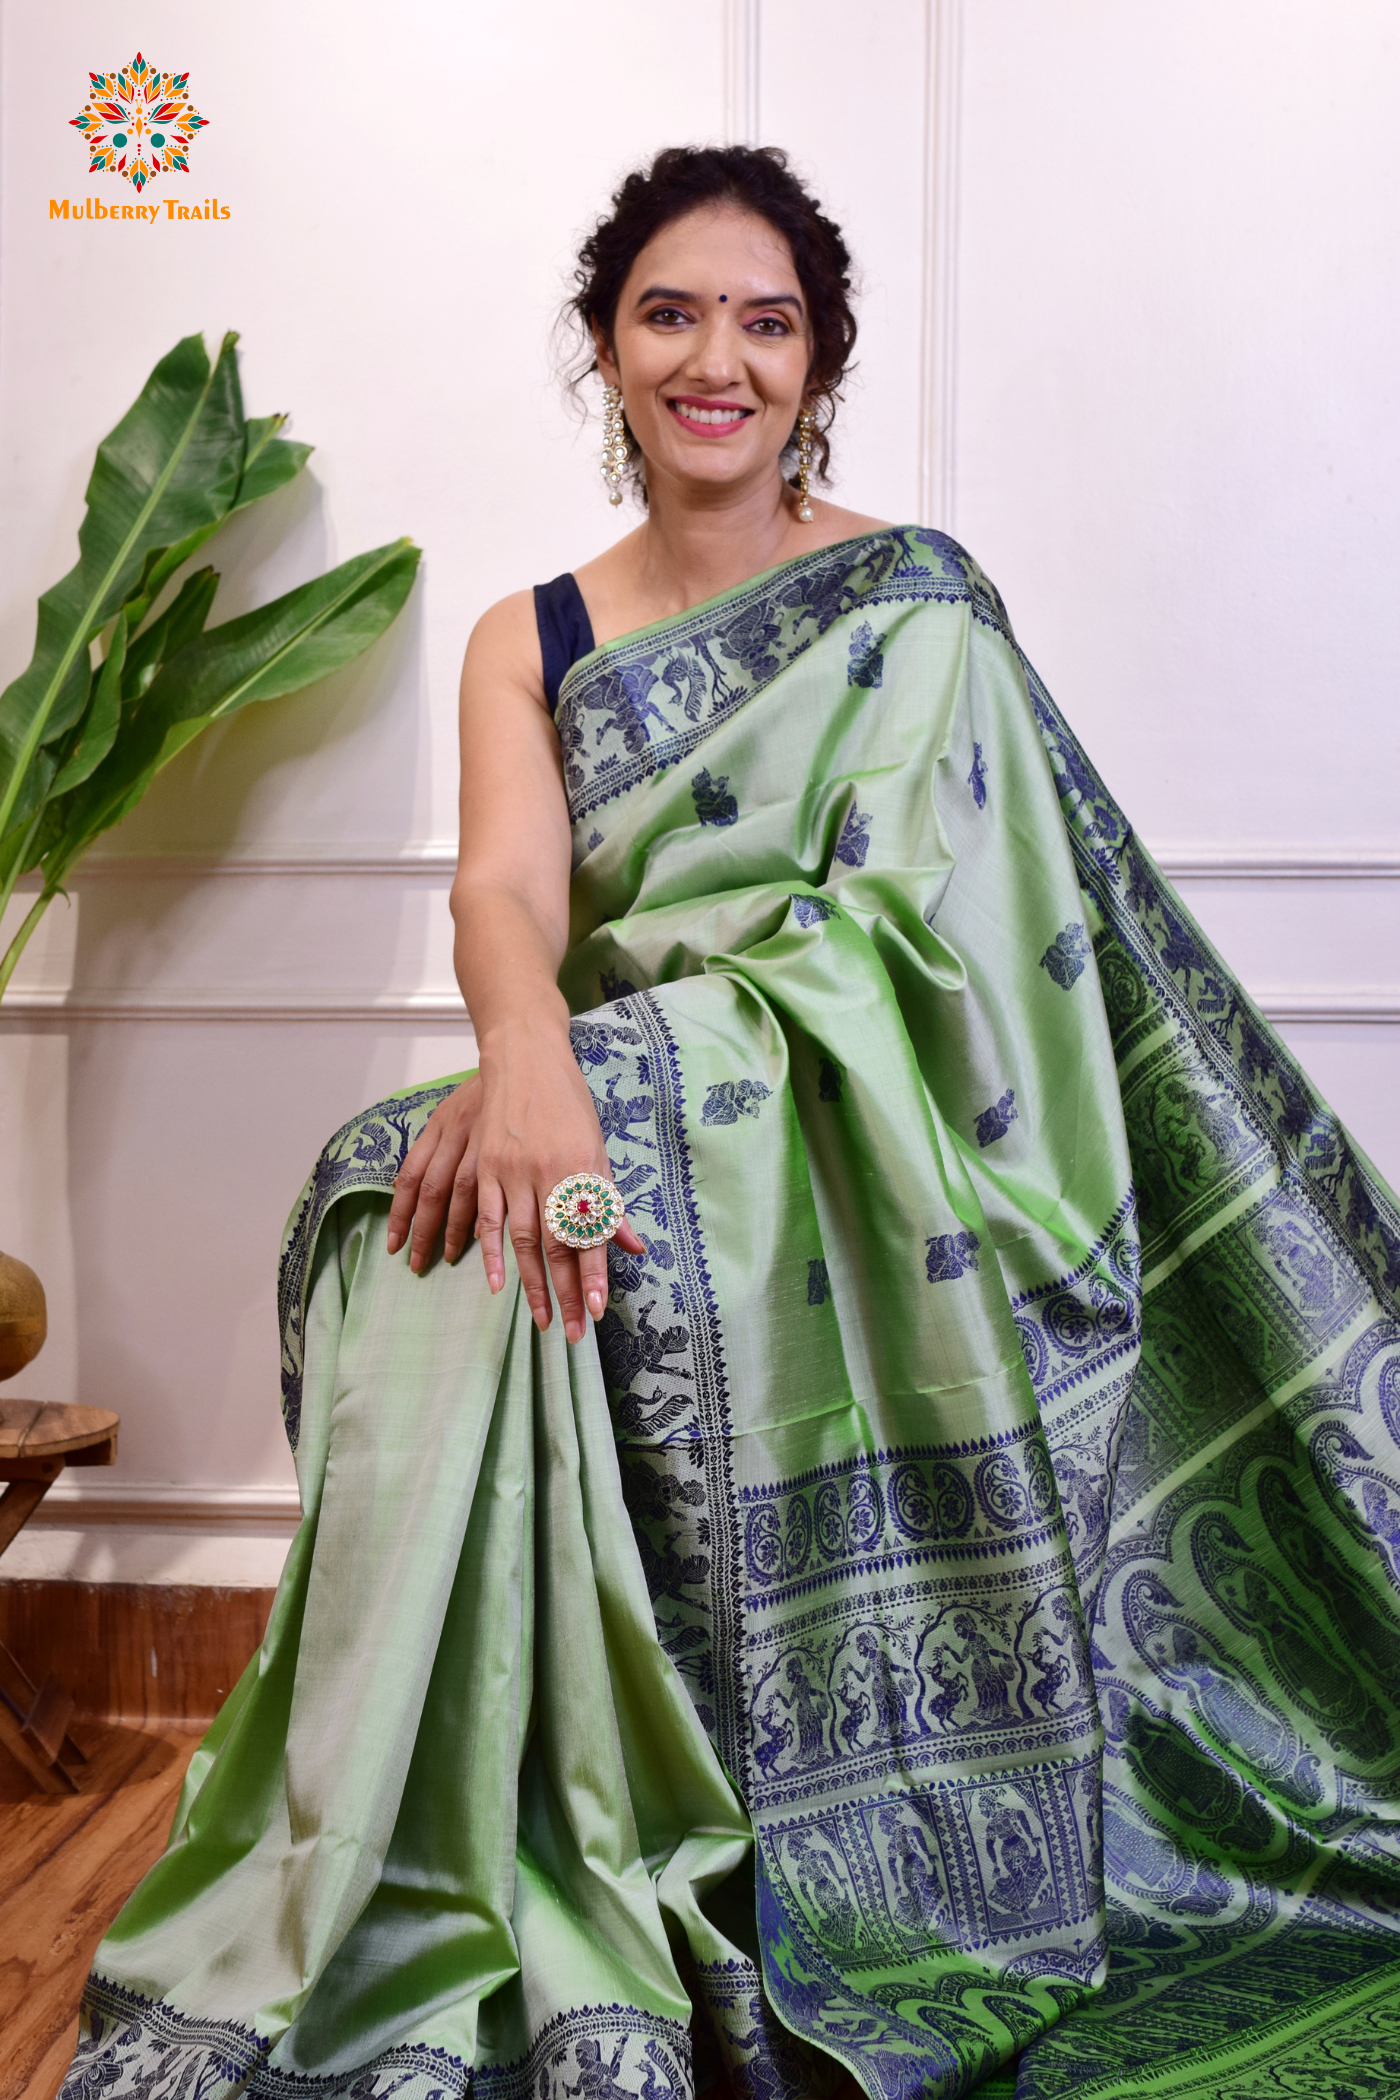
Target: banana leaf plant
119 681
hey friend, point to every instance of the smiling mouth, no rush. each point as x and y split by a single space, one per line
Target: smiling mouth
714 418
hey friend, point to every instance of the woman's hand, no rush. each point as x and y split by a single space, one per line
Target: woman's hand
489 1156
434 1181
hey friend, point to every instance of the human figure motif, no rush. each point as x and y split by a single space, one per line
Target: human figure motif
992 1668
891 1686
1315 1678
1019 1869
1082 1499
809 1707
1254 1734
921 1903
598 2080
827 1895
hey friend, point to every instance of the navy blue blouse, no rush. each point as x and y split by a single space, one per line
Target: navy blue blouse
566 632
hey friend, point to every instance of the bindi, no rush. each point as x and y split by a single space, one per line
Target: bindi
724 298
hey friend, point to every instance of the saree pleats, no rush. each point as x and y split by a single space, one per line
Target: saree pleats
945 1624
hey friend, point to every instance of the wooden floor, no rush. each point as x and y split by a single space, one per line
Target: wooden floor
67 1864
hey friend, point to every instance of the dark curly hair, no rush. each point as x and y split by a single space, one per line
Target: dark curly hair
682 179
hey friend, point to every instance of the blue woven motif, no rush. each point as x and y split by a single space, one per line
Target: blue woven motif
729 1099
867 664
854 842
951 1254
811 911
977 778
713 802
1064 958
994 1122
818 1283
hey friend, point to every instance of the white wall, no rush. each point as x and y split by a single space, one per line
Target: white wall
1130 330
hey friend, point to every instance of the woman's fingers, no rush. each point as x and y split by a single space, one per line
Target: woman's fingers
593 1279
526 1237
434 1195
490 1229
628 1240
564 1266
461 1209
407 1182
427 1182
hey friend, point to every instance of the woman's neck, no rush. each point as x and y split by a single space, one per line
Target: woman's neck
690 549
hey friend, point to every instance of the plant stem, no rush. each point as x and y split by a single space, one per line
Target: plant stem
17 946
20 861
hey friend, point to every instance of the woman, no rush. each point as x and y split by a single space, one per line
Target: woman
997 1310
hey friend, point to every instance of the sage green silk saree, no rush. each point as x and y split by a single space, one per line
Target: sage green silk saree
944 1624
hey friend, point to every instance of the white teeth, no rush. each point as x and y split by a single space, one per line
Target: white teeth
710 415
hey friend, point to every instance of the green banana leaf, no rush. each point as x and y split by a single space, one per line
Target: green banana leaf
81 742
280 648
170 468
180 462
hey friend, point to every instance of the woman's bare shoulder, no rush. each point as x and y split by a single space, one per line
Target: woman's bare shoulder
504 646
510 619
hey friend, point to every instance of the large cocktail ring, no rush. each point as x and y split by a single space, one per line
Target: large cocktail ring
583 1210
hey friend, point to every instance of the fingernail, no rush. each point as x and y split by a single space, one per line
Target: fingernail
541 1317
595 1304
574 1330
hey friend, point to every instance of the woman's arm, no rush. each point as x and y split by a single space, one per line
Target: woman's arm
494 1149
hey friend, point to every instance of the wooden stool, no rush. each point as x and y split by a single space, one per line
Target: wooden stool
36 1443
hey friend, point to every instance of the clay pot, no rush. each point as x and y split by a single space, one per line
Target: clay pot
24 1320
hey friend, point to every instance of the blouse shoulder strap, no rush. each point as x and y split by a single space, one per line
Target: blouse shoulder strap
566 632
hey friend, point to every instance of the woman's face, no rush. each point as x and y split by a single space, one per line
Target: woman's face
711 349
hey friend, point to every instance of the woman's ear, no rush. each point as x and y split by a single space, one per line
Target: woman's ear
602 351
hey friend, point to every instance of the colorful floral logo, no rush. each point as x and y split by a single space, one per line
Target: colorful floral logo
139 123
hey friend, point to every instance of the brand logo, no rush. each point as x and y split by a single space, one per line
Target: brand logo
138 123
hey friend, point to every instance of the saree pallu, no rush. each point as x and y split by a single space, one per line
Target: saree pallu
943 1624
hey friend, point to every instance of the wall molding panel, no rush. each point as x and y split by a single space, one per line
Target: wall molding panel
743 29
436 860
1224 863
1346 1005
135 1003
153 1502
938 403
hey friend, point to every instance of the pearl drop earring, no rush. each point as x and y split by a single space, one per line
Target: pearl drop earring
614 443
804 465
